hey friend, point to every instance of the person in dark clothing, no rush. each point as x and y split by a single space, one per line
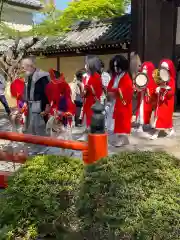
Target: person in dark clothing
78 99
2 95
35 97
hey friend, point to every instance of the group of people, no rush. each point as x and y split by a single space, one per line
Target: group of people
47 99
154 90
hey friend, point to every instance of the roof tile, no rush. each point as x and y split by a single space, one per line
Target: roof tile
26 3
83 35
88 33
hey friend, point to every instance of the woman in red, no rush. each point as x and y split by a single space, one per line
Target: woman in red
144 97
92 90
165 94
62 108
120 90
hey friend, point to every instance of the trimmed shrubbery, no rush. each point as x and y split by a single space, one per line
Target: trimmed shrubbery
40 199
130 196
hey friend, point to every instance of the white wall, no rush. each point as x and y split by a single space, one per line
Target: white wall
178 27
17 16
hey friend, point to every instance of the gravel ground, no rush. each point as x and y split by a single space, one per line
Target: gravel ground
170 145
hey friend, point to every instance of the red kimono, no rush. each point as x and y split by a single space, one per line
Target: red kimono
122 109
58 93
94 91
165 100
17 90
144 102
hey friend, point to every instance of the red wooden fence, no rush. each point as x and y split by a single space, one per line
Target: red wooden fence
94 149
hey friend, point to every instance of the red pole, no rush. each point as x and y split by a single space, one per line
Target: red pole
97 147
4 179
46 141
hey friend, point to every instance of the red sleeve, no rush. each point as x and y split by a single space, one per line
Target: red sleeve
52 93
171 92
126 87
17 88
95 83
152 86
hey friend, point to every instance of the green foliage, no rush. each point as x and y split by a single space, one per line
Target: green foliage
59 21
40 199
50 25
132 196
91 9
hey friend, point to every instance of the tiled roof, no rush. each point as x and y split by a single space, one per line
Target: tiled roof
83 36
34 4
89 34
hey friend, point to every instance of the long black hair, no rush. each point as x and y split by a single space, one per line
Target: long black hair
94 64
122 63
79 74
57 74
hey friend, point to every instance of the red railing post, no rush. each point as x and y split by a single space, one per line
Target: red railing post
97 138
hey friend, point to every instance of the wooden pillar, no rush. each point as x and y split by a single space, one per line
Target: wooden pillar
58 64
153 29
168 38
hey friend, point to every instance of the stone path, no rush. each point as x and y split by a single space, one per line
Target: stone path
170 145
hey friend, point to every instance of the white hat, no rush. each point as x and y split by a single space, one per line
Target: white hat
165 65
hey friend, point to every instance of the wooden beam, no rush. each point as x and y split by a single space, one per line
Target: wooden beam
58 64
83 53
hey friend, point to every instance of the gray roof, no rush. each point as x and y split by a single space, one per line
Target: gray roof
84 35
33 4
89 34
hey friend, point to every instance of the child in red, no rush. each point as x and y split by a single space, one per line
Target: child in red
144 97
165 94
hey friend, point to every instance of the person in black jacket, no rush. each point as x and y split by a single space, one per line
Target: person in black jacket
34 96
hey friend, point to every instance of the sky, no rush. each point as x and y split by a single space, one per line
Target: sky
61 4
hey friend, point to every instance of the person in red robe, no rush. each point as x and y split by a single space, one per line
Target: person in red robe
19 115
62 108
144 97
17 91
93 89
165 94
120 89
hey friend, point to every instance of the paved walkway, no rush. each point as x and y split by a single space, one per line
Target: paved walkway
170 145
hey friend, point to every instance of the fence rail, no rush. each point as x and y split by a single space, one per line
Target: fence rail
94 149
46 141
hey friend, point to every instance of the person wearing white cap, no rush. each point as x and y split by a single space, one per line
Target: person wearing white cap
165 96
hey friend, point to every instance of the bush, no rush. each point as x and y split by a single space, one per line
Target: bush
40 200
132 196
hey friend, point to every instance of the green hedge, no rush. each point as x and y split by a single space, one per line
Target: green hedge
40 199
132 196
